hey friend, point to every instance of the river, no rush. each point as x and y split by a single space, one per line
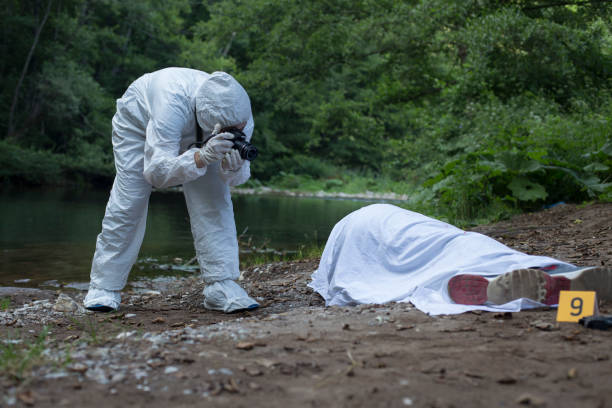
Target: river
47 236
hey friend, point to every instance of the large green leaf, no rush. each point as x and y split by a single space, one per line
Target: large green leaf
607 148
526 190
596 167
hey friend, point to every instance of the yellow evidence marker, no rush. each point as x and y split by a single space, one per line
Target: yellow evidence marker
575 304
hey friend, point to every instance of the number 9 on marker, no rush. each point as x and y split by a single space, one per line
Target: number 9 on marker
574 305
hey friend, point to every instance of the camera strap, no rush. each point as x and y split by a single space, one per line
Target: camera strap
199 136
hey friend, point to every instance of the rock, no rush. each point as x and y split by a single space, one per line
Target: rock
170 370
98 375
78 368
245 345
101 353
253 371
407 401
156 339
125 335
230 386
139 374
528 399
27 397
224 371
507 380
154 363
544 326
64 303
266 363
55 375
117 377
254 386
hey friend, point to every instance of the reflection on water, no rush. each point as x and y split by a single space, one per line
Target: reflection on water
49 235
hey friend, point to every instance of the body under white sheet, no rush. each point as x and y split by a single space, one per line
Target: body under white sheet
383 253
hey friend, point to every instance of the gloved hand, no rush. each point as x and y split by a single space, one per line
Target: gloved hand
216 147
232 161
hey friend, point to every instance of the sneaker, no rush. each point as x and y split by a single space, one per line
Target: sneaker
102 300
533 284
227 296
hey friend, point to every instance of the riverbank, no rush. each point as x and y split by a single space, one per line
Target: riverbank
355 188
367 195
164 349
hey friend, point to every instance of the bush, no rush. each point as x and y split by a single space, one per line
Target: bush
26 166
521 155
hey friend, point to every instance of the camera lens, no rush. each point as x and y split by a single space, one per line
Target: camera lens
247 151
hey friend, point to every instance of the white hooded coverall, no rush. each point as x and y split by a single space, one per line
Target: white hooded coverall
152 129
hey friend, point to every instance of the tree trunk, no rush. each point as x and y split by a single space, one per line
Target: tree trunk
228 46
11 124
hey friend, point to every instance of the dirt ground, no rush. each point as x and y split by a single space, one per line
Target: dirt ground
163 349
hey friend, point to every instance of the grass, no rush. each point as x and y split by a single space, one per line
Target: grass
5 304
18 358
90 326
259 258
261 254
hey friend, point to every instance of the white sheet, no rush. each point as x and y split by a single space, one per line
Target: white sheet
383 253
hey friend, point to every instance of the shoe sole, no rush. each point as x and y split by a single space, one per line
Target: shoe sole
244 309
100 308
468 289
598 279
528 283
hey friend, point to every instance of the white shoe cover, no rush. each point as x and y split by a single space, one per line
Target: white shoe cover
102 300
227 296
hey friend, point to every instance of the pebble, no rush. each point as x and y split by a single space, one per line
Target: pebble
98 375
224 371
55 375
118 377
245 345
125 335
78 367
531 400
170 370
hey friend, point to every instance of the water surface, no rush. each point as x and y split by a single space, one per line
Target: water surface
47 237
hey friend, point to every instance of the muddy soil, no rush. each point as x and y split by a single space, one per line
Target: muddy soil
163 349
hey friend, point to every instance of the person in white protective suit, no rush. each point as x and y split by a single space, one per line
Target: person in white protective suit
153 129
382 253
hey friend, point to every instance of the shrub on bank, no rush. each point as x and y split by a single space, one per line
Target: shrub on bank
20 165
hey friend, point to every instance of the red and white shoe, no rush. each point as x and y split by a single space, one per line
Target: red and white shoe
532 284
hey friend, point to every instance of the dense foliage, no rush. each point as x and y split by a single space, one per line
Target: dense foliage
476 106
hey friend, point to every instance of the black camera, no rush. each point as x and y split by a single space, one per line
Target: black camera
247 150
